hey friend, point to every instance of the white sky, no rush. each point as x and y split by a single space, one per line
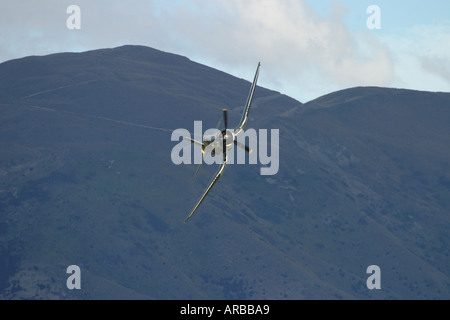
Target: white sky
307 47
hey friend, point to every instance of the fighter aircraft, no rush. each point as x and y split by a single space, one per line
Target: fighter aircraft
222 142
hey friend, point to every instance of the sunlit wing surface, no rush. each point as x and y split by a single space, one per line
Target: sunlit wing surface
244 118
205 193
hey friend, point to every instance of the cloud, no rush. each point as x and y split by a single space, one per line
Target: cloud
294 43
437 66
304 54
434 54
421 56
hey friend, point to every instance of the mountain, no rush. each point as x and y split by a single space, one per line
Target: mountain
87 179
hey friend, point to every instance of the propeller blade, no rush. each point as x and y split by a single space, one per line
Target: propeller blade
246 148
224 150
225 118
224 134
198 170
200 144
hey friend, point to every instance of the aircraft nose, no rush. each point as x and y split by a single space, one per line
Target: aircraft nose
229 137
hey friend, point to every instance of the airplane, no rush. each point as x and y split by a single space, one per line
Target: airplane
222 142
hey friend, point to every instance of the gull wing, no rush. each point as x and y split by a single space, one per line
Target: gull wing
244 118
211 184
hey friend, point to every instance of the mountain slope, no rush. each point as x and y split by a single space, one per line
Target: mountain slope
87 179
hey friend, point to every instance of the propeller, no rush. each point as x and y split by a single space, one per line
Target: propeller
225 118
203 151
224 134
224 141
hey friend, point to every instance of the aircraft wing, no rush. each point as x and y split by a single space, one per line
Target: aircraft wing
244 118
205 193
